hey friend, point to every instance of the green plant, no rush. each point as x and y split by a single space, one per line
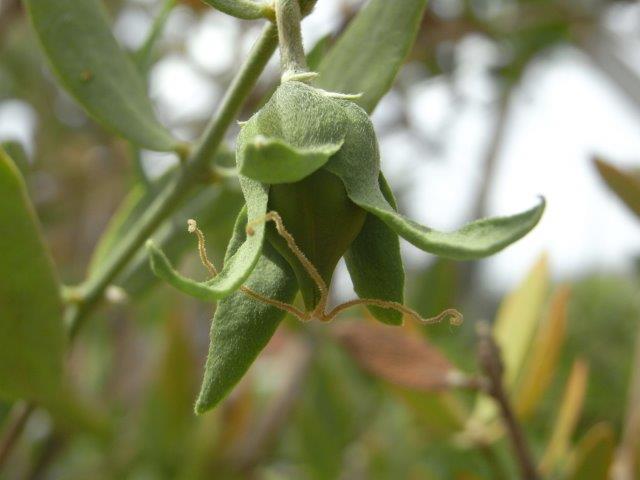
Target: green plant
308 161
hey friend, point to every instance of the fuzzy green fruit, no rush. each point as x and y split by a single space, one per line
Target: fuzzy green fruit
323 221
292 137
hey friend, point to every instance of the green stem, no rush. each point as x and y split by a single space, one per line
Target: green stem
288 17
175 191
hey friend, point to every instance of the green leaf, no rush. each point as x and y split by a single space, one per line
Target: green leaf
237 267
242 326
375 264
215 210
543 357
594 453
16 152
369 54
245 9
567 419
162 268
623 184
357 164
76 38
299 122
32 337
270 160
518 318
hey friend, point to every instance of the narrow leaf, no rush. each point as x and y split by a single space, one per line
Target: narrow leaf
396 356
215 210
623 184
567 419
238 266
76 38
518 317
271 160
242 326
593 455
16 152
357 164
375 264
162 268
32 337
542 360
245 9
368 55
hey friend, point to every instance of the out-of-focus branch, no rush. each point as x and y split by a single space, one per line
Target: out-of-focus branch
600 46
490 159
490 361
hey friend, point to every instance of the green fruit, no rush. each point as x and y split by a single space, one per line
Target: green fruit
292 137
323 221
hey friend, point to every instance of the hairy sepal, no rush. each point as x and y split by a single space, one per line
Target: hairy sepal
357 164
242 326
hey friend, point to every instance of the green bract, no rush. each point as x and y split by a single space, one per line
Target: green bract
313 157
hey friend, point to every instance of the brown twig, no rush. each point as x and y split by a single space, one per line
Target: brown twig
15 423
490 362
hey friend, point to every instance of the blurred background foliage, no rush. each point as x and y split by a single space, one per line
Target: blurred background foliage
352 400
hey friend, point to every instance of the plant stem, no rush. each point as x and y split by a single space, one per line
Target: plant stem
169 198
490 361
166 201
292 55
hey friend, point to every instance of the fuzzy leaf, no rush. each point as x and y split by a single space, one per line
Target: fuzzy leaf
216 211
271 160
624 184
357 164
76 38
32 337
237 267
242 326
162 268
368 55
375 264
245 9
292 136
